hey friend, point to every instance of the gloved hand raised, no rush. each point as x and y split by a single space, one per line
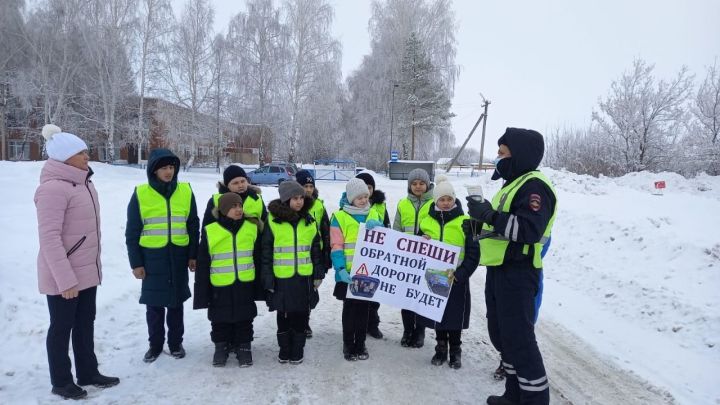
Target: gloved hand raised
373 223
342 276
481 210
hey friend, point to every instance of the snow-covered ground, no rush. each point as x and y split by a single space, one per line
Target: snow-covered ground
630 311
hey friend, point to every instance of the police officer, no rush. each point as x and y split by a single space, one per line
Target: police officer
515 226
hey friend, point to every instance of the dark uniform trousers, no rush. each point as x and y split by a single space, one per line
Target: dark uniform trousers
355 321
155 317
510 292
232 333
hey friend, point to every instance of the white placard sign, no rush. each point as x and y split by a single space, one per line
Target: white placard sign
403 271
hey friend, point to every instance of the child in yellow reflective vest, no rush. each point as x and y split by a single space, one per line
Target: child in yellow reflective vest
292 268
344 227
228 269
444 223
410 212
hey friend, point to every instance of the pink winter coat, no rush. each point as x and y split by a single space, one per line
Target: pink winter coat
68 215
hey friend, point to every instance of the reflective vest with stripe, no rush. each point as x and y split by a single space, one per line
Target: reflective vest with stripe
231 256
410 217
291 251
350 227
156 212
379 210
317 211
493 245
251 206
449 232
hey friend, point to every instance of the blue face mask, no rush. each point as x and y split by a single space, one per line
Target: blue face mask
503 166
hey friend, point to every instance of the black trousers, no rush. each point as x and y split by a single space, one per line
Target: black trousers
373 317
155 317
292 321
232 333
355 321
452 336
510 293
74 317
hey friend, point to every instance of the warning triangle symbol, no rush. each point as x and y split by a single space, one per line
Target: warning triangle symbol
362 270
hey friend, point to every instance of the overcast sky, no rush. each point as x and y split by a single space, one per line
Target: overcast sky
544 64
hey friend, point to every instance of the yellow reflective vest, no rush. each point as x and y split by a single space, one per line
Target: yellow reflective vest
164 220
494 245
231 256
317 211
380 209
291 249
410 218
251 206
449 232
350 227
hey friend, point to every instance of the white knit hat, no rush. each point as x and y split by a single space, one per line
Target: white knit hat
442 188
355 188
61 146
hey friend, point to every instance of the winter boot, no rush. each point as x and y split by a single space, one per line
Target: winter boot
441 353
406 338
221 354
499 373
178 352
100 381
283 339
455 360
297 347
418 340
308 332
244 354
361 351
374 332
70 391
152 354
349 353
500 400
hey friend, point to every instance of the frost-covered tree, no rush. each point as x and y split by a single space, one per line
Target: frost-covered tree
424 103
189 74
311 47
643 119
12 57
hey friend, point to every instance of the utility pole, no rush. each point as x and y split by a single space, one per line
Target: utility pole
392 119
483 118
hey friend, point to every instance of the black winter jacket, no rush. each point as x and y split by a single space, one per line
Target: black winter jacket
295 294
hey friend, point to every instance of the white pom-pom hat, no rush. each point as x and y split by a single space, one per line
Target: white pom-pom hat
61 146
442 188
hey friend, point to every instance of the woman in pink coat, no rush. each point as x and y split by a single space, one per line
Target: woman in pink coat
68 215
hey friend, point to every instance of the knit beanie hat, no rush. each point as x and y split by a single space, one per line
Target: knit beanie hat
231 172
304 177
355 188
227 200
418 174
61 146
289 189
443 187
367 178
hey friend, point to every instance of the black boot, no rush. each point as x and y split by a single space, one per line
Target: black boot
349 352
308 332
499 373
374 332
418 340
152 354
178 352
441 353
361 351
221 354
100 381
244 354
500 400
406 338
455 357
283 339
70 391
297 347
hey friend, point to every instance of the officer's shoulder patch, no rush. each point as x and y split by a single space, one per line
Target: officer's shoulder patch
535 202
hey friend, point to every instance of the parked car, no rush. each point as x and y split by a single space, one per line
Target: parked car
273 173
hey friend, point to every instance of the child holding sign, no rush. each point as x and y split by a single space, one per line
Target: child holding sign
444 223
344 228
411 210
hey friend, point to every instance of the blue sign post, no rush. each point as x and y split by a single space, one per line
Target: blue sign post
393 156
